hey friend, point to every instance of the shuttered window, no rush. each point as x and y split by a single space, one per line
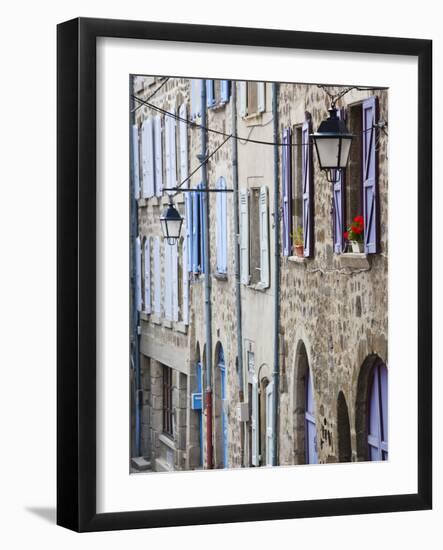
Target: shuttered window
264 237
338 204
217 92
196 85
378 414
183 144
158 152
148 158
135 163
147 275
244 237
252 97
308 191
287 192
157 277
138 274
221 228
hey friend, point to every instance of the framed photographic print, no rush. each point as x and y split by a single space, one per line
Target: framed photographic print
244 274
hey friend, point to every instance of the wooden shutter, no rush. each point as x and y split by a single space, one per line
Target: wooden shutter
261 97
224 92
147 270
264 237
221 228
174 280
242 93
255 425
244 237
189 229
195 232
338 205
183 136
370 180
158 151
287 191
310 425
203 229
135 164
173 150
157 277
210 99
148 158
308 191
196 85
185 283
138 274
269 424
167 286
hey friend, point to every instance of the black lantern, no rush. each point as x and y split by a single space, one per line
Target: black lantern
171 223
333 144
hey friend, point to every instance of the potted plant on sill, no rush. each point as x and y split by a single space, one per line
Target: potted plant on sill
297 237
354 235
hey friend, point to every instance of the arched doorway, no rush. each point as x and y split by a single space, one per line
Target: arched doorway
305 431
343 430
220 409
372 410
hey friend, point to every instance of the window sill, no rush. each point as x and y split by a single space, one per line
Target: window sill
167 323
156 319
259 287
297 259
256 119
220 276
354 260
217 106
144 315
181 327
167 440
145 201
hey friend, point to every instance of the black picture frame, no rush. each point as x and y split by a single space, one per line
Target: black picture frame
76 280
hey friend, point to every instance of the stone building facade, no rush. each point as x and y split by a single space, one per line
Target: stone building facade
329 380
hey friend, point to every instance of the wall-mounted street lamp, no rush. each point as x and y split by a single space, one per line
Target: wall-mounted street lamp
333 144
171 223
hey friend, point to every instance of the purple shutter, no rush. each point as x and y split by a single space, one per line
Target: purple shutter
338 205
308 191
311 456
378 414
287 192
370 183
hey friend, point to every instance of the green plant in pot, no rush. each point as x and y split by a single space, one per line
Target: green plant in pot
297 238
354 234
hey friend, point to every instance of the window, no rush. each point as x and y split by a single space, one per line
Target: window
378 413
171 279
217 92
147 275
297 181
254 245
356 191
152 153
196 85
221 228
167 401
252 98
138 274
196 231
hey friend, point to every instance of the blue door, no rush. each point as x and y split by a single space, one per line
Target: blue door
310 429
378 414
224 402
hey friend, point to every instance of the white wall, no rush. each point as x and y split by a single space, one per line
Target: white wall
27 289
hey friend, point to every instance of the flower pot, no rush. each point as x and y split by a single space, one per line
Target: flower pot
357 247
299 250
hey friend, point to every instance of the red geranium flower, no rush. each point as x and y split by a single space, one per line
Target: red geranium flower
358 219
346 235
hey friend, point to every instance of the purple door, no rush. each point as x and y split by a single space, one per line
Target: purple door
378 414
310 429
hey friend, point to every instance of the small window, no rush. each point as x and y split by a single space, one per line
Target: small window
254 235
354 174
167 401
252 98
221 228
297 182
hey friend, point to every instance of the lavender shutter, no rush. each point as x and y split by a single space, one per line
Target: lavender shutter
370 183
310 427
195 232
338 206
135 164
202 229
210 99
224 92
308 191
378 414
287 192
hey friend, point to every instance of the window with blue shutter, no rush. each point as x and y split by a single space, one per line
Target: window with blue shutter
210 97
338 205
195 232
287 191
370 181
310 427
221 228
378 413
308 191
224 91
202 236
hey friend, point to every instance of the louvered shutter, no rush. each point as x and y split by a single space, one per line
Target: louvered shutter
196 85
221 229
261 97
173 150
242 93
203 231
370 183
244 237
167 287
308 191
224 228
287 192
264 237
224 92
185 283
269 424
157 277
338 205
174 280
135 164
189 229
195 232
210 99
255 425
147 270
148 158
138 274
158 151
183 136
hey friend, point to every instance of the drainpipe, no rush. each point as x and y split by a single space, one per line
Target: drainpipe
135 321
276 369
241 393
208 314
